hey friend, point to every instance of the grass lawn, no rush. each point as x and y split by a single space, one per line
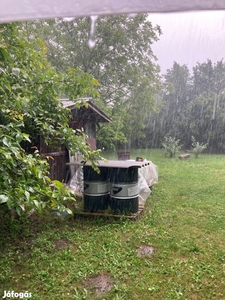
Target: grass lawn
182 226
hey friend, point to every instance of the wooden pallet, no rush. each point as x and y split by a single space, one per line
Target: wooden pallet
106 214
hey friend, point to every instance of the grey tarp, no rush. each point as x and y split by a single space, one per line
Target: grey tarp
15 10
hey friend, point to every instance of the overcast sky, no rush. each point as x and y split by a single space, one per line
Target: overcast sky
189 38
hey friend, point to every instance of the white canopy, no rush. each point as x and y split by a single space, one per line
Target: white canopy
17 10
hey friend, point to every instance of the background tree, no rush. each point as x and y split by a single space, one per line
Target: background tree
122 61
207 109
191 106
172 119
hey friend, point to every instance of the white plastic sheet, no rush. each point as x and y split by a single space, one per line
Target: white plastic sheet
76 182
147 177
16 10
143 189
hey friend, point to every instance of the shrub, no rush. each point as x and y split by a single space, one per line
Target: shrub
197 148
171 146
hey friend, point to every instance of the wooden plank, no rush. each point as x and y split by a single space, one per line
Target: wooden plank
108 215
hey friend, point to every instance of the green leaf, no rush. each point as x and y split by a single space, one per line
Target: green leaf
19 137
3 54
27 194
26 137
69 211
38 205
3 198
6 142
57 184
19 210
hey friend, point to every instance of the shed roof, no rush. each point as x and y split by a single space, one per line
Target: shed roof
100 115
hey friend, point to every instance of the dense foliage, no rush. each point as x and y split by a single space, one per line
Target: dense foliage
121 60
193 105
29 89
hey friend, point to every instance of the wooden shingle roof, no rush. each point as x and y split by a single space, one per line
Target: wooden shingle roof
93 109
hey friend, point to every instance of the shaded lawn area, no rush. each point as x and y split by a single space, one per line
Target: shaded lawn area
175 250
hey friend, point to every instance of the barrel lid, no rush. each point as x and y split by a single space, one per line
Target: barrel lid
117 163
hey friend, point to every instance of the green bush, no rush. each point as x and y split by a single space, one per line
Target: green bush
197 148
171 146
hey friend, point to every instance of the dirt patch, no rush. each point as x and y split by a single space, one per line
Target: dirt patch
100 283
61 244
145 251
25 245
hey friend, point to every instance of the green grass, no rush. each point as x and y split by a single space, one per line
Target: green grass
184 220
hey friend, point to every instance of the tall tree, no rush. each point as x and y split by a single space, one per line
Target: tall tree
172 119
122 60
191 106
207 109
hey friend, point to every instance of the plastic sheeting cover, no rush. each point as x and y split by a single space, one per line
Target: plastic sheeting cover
147 177
15 10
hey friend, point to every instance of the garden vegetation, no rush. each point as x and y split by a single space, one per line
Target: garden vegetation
174 250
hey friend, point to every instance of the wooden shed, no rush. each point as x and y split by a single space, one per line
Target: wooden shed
86 117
